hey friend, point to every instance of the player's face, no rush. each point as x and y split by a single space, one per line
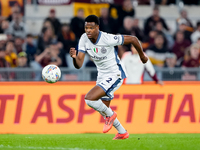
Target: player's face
91 29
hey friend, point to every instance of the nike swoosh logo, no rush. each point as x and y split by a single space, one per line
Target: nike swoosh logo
88 49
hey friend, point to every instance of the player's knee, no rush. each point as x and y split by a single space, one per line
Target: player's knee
88 97
88 102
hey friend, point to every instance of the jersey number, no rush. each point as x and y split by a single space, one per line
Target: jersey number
109 79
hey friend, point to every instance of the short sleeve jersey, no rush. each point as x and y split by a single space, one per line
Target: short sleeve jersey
104 53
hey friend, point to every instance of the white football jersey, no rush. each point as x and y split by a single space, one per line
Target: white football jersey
135 68
104 53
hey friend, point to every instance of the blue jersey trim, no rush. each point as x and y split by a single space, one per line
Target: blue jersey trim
112 87
122 39
102 87
81 51
106 98
98 38
118 63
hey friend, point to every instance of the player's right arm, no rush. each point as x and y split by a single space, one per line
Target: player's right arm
77 59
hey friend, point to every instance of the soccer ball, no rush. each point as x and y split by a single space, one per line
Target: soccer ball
51 73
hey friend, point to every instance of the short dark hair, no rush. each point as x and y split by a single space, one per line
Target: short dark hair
156 7
44 29
198 24
65 24
29 35
92 18
2 49
10 41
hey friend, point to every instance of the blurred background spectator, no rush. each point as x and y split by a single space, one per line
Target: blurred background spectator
107 23
136 30
15 10
30 47
49 56
180 46
67 37
192 55
4 26
68 40
153 19
196 34
54 21
22 60
127 26
135 68
191 60
149 39
78 24
126 9
3 62
18 42
171 64
182 26
184 16
10 55
157 51
45 39
17 27
168 37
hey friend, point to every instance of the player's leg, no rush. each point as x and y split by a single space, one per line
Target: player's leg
92 100
122 133
107 103
116 123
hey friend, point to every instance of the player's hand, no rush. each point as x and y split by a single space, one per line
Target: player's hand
144 59
160 82
47 51
72 52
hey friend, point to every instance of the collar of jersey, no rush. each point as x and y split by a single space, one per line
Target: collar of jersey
98 38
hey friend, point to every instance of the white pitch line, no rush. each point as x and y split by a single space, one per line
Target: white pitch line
53 148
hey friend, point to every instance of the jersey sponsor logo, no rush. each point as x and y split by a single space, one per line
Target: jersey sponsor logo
96 50
99 58
103 50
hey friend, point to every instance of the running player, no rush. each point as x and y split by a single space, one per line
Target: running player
101 48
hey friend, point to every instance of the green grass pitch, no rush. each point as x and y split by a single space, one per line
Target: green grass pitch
99 142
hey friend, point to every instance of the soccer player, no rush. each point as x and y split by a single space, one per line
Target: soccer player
136 69
101 48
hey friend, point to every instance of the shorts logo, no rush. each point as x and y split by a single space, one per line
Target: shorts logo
103 50
96 50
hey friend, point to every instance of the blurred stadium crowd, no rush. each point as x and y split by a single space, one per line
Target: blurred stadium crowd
20 49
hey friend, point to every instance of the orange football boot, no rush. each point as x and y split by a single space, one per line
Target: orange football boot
121 136
109 122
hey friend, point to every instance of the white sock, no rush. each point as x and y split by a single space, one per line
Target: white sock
104 116
100 107
119 127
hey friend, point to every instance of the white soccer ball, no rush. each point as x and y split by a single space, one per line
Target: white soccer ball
51 73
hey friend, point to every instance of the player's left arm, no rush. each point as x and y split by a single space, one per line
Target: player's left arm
135 42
